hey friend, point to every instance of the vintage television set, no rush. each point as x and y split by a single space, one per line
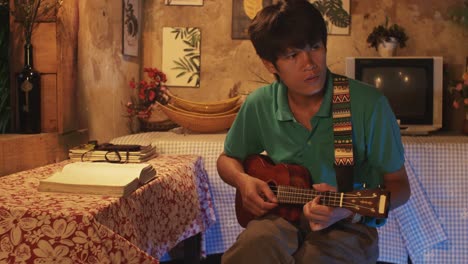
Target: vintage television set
412 85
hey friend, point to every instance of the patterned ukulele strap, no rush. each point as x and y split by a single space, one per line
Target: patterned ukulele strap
342 132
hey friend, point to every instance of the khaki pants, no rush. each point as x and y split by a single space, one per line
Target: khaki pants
271 239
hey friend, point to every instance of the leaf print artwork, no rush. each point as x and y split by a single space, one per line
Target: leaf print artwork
251 7
336 14
181 56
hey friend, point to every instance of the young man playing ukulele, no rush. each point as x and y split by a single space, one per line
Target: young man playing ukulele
293 120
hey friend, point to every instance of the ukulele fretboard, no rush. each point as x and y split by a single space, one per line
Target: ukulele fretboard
370 201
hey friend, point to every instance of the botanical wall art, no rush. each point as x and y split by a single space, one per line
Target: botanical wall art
184 2
243 11
131 27
337 15
181 56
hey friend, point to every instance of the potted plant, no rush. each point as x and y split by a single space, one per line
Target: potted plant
385 39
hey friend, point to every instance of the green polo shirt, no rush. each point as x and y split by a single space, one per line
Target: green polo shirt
265 123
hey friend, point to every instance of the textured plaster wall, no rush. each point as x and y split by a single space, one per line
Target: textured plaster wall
226 63
103 72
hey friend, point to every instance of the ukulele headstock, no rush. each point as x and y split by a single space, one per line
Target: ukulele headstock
371 202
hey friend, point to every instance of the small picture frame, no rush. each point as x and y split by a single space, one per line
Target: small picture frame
184 2
131 27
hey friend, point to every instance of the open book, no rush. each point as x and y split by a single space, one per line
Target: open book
102 178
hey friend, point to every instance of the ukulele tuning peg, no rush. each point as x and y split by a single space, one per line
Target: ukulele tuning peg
364 185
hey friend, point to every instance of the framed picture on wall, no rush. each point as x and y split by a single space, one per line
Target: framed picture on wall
337 15
184 2
181 56
131 27
243 11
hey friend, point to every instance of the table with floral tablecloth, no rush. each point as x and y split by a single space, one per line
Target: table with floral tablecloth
46 227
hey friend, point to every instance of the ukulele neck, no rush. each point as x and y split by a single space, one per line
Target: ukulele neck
294 195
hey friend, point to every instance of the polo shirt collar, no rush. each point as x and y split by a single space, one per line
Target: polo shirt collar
283 113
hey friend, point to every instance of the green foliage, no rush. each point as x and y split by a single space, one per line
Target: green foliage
189 65
383 32
5 108
334 12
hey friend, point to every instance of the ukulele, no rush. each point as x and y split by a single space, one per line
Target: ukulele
291 185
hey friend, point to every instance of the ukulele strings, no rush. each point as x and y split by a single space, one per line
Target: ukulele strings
302 195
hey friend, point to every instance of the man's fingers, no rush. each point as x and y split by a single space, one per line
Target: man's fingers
270 197
258 206
315 201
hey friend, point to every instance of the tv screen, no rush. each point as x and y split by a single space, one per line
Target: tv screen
406 88
412 85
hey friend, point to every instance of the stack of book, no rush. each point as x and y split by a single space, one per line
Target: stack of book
101 178
113 153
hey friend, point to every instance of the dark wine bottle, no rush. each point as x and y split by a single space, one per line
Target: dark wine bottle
29 96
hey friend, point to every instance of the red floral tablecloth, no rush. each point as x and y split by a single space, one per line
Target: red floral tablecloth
42 227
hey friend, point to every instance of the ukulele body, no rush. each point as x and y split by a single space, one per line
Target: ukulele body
291 185
263 168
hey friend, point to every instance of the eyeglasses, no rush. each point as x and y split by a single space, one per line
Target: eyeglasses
112 156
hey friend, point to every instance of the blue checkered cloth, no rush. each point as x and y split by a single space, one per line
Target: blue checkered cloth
431 228
441 166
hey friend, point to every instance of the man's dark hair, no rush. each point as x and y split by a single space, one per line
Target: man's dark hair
286 24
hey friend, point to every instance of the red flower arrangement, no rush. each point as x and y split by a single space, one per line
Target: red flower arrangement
460 91
149 92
